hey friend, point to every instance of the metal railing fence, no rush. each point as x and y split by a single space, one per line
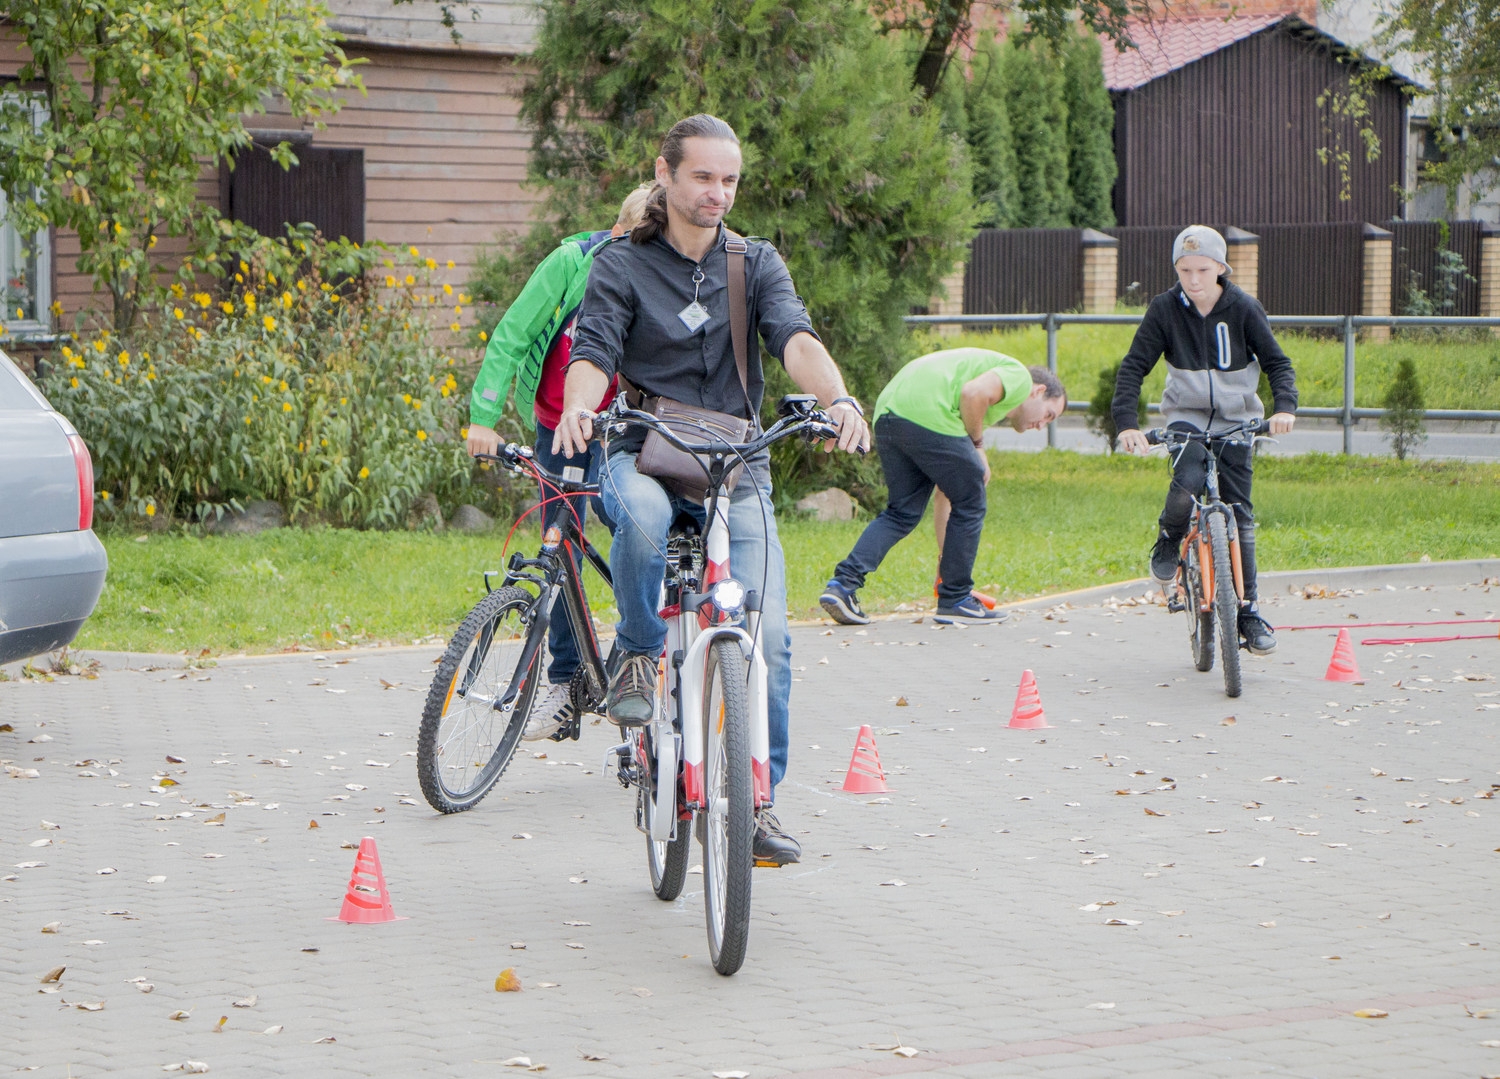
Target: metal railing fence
1348 325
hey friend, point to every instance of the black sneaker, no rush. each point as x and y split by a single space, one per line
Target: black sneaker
842 606
1256 634
969 609
631 700
772 844
1164 558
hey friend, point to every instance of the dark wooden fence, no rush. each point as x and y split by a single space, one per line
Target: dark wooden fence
1414 263
1145 260
1311 269
325 188
1024 271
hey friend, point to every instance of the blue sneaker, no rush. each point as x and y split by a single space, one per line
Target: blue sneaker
842 606
968 609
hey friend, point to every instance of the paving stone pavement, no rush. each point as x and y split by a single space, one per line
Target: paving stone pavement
1165 883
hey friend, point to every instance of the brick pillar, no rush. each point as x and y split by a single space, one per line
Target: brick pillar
951 302
1489 275
1244 259
1375 298
1101 261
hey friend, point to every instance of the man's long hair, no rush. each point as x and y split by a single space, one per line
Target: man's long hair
701 126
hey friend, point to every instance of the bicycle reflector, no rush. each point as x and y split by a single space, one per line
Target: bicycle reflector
728 597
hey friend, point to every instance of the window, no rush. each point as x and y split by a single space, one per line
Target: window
25 269
326 188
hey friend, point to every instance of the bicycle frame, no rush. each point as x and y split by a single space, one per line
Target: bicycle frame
1208 503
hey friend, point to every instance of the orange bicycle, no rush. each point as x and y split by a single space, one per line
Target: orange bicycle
1210 581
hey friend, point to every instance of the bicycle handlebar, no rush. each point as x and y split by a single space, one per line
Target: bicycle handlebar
811 422
1165 436
518 458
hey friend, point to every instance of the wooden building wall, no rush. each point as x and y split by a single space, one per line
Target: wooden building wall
1235 137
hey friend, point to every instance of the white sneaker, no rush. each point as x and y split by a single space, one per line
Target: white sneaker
549 714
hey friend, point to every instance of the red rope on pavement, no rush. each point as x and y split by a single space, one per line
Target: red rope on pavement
1371 625
1431 640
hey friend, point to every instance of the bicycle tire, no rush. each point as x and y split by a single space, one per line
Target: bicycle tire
1226 605
666 859
1200 623
729 812
460 752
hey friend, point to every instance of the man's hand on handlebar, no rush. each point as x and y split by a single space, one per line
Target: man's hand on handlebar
1134 441
1281 423
574 429
854 433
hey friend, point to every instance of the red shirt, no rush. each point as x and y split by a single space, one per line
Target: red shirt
549 391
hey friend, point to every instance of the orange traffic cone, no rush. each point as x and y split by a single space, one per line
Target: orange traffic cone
366 900
1027 714
865 774
1342 667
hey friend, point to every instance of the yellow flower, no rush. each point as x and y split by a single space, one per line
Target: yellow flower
322 441
431 264
177 313
447 290
150 509
176 289
406 398
150 376
99 346
239 277
227 307
271 278
286 406
124 359
20 312
104 495
335 298
415 253
67 353
483 336
269 323
247 419
57 308
73 382
463 432
364 473
266 379
421 436
243 267
325 286
450 264
202 299
390 281
150 243
455 327
119 229
301 285
458 310
445 391
410 280
250 302
286 301
463 297
417 405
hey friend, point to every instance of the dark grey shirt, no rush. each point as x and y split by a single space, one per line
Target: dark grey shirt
628 322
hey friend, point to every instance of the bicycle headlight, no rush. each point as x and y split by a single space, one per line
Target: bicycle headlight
728 597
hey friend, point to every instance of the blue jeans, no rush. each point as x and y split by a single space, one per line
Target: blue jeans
644 512
915 460
560 642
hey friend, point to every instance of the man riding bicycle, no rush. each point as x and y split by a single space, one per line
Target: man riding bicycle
656 312
1217 342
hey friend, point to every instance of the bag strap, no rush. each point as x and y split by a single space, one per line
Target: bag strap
739 329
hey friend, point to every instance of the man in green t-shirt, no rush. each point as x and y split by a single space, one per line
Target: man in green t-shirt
929 429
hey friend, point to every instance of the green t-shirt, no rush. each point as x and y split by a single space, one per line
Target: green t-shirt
927 390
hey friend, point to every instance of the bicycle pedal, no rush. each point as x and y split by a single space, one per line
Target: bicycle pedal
761 864
1174 605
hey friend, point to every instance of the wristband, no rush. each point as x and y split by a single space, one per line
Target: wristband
851 402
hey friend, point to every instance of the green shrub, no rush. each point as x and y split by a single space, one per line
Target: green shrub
1405 409
312 378
1099 418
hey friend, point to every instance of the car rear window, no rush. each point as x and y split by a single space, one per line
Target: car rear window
16 393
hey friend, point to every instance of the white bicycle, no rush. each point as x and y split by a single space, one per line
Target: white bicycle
703 762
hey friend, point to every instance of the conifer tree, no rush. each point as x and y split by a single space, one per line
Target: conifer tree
991 146
1091 121
1038 117
1405 409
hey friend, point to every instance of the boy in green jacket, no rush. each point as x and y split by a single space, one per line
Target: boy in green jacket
530 349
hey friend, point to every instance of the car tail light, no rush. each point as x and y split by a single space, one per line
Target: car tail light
85 466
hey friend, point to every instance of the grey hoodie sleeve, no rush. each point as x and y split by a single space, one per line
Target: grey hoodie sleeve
1273 361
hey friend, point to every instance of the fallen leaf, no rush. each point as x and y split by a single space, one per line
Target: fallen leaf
1153 813
1171 913
733 1074
1228 721
312 824
1371 1013
219 1026
41 843
1376 772
517 1062
893 884
51 927
592 1056
87 1005
1479 1013
273 1030
577 923
1266 925
179 1016
901 702
106 871
53 975
1257 864
218 818
327 1039
573 944
246 1002
1104 1005
905 1051
158 879
641 991
1121 921
507 982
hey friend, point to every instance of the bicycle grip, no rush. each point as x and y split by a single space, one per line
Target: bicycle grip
1154 436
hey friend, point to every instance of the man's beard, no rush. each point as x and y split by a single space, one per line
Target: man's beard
702 217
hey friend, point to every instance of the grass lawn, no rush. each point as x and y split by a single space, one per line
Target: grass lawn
1057 521
1456 372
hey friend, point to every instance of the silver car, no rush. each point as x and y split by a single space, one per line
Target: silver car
51 563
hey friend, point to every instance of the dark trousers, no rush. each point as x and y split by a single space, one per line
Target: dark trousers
915 460
1189 471
560 642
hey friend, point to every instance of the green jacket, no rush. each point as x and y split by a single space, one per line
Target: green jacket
530 325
